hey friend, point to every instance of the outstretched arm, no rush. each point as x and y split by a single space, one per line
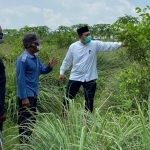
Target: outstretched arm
109 46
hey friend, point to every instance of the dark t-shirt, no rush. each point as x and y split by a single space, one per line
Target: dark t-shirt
1 37
2 72
2 87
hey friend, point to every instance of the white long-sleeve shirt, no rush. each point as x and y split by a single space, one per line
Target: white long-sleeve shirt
84 59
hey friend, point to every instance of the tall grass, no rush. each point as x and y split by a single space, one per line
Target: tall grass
104 129
10 99
81 130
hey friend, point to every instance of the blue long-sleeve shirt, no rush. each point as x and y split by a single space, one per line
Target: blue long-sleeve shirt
29 68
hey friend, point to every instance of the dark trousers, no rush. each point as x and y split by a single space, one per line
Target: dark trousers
89 92
2 100
1 127
26 119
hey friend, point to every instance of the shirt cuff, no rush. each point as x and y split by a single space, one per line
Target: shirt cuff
119 44
49 68
62 72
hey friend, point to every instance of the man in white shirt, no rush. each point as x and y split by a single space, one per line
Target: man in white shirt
83 57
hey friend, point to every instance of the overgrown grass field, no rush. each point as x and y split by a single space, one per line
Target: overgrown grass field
108 127
121 117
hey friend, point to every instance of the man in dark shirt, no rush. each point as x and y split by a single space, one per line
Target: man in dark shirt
2 92
1 36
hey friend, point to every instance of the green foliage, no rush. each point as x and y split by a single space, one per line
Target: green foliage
16 49
128 19
136 35
133 84
103 129
50 97
134 81
85 131
101 31
11 99
64 39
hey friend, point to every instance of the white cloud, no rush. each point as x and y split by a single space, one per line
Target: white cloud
62 12
126 3
5 23
97 11
8 11
19 10
32 25
54 19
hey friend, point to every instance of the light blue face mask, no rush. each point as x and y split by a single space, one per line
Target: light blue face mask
38 47
88 39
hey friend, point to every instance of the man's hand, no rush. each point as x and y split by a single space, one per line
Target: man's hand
53 62
61 78
25 103
123 44
2 118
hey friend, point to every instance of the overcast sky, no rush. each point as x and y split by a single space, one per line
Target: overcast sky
15 14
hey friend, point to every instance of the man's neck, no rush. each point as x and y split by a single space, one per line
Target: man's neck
30 52
82 42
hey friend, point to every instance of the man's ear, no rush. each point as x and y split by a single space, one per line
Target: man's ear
29 45
79 36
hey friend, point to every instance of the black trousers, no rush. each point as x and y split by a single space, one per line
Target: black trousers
26 119
89 92
2 100
1 127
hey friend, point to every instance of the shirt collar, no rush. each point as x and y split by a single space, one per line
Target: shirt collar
81 43
29 55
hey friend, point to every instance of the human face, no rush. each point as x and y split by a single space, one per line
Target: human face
33 48
84 35
1 30
35 44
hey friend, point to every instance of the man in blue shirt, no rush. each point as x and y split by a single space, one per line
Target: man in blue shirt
28 68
